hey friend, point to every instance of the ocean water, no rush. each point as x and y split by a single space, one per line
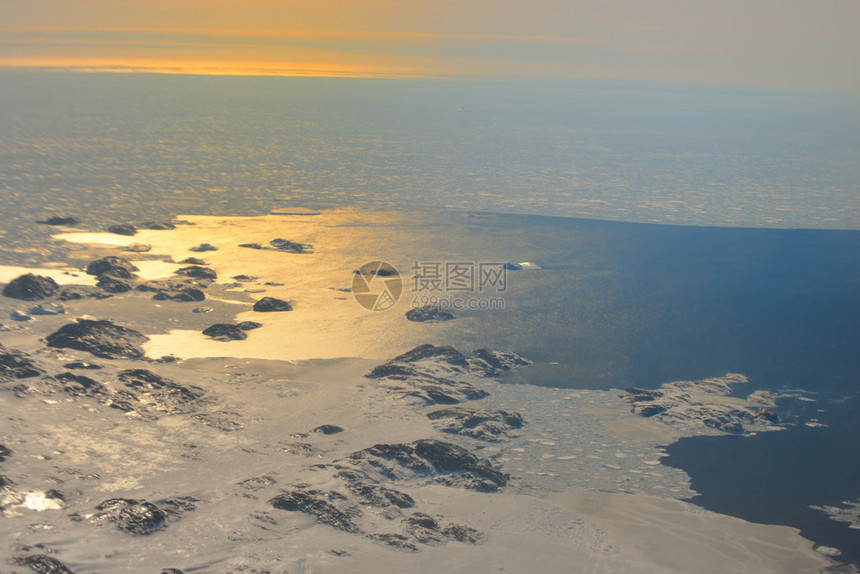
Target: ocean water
683 232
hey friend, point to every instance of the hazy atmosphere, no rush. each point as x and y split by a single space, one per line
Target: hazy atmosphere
763 43
388 286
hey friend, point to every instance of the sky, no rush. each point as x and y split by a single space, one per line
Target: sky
785 44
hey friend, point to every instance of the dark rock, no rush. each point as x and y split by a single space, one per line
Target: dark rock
161 393
251 245
441 461
202 310
395 541
112 264
637 395
197 272
487 363
766 416
249 325
31 287
5 480
173 286
123 229
15 365
257 482
447 355
378 269
225 332
270 304
20 316
176 507
112 284
328 429
320 505
193 261
423 528
171 571
69 221
76 293
429 314
158 225
43 564
428 390
379 496
480 424
82 365
137 248
203 247
288 246
393 370
462 533
55 495
79 385
648 410
4 452
222 421
132 516
48 309
118 273
185 295
243 278
101 338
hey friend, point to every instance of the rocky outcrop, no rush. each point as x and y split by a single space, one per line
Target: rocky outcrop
31 287
426 530
182 290
328 507
225 332
111 284
42 564
703 403
289 246
487 363
433 460
56 220
102 338
270 305
139 517
48 309
181 295
78 292
485 425
197 272
155 392
158 225
203 247
116 266
368 492
429 314
281 245
429 374
16 365
328 429
123 229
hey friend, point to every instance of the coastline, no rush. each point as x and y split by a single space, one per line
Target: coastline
264 393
